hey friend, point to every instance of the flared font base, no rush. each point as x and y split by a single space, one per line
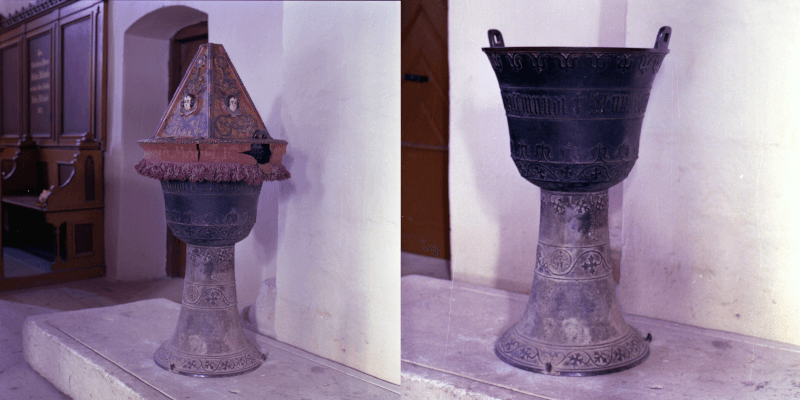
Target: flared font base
573 324
208 366
546 358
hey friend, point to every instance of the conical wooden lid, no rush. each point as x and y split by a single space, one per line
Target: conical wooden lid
211 101
211 120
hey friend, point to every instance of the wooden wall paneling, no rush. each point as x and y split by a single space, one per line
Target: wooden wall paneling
40 85
77 81
2 228
59 50
19 170
69 220
92 175
11 91
42 20
100 74
70 166
12 33
76 6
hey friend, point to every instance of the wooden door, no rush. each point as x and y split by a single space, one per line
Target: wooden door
424 117
183 48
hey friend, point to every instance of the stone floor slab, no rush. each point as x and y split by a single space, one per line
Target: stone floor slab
449 330
17 379
107 353
417 264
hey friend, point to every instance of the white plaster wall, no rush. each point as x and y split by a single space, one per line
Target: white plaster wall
135 234
251 32
711 222
494 213
339 239
138 45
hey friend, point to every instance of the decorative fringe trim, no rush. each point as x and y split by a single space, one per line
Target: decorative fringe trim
212 172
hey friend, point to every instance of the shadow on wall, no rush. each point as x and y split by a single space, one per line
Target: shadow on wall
513 243
261 246
325 168
301 200
261 314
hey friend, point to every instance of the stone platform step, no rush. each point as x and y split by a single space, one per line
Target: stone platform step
449 330
106 353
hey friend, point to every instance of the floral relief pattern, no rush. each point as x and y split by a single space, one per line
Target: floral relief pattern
202 296
215 254
190 218
190 232
584 104
540 163
592 208
191 364
560 262
557 263
564 361
211 101
189 122
227 123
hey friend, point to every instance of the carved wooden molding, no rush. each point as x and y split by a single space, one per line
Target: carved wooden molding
31 11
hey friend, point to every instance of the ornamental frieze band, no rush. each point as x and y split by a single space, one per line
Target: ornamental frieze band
574 263
581 104
217 366
209 296
611 355
190 218
547 61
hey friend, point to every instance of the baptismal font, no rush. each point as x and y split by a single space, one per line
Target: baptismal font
211 153
574 119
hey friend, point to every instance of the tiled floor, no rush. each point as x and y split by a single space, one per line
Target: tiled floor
17 379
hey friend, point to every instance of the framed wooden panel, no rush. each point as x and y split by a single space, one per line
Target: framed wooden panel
60 63
11 89
99 74
77 75
40 67
41 20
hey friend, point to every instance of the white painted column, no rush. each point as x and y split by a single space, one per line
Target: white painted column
338 280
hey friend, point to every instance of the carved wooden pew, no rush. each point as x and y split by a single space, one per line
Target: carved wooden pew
53 203
52 99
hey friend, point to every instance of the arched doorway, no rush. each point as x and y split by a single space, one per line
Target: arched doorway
425 226
137 231
182 49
